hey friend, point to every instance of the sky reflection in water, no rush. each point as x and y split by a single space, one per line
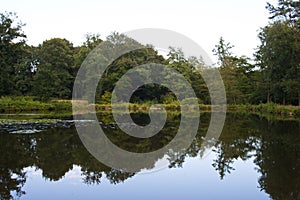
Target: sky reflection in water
255 158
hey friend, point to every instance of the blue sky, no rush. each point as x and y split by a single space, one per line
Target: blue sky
202 21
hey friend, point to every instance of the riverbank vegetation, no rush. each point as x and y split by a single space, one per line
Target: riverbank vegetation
33 78
55 107
30 104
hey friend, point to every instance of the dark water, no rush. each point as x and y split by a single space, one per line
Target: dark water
255 158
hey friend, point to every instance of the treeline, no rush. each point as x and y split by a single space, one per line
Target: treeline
48 71
45 71
274 74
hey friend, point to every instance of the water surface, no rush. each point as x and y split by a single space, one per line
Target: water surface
255 158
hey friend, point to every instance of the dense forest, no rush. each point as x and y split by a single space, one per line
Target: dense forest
48 71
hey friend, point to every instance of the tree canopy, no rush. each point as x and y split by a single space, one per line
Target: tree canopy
279 53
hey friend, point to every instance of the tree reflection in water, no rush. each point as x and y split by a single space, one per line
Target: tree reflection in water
274 145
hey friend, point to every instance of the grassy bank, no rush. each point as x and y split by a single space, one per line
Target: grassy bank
146 106
270 108
29 104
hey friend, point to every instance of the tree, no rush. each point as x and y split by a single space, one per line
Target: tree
279 53
81 52
245 75
24 71
236 72
190 68
54 75
227 69
12 44
121 65
286 11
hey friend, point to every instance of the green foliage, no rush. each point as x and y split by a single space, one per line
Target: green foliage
54 70
236 72
25 71
279 54
126 62
190 68
105 98
12 44
49 70
27 103
267 108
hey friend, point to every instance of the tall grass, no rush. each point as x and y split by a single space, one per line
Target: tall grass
30 104
20 104
270 108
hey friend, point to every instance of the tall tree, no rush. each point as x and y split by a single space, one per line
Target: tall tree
227 69
12 42
236 72
279 53
54 77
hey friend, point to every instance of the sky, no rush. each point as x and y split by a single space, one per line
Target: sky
237 21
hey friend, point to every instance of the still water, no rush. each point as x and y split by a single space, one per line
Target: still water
255 158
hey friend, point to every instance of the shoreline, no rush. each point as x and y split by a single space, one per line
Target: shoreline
11 105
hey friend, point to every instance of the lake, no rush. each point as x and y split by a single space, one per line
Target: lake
256 157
